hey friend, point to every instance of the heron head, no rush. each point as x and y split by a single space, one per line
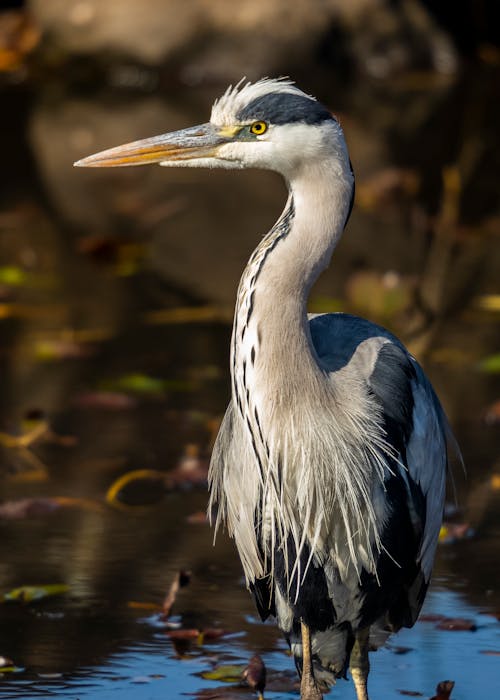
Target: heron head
269 124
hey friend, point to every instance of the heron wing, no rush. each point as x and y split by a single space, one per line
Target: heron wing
354 349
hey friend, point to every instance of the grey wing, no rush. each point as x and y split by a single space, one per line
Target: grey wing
415 427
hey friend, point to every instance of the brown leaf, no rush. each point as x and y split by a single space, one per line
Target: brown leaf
443 690
211 633
197 518
141 605
183 634
431 617
456 624
411 693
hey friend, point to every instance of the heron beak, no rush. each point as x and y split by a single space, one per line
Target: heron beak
197 142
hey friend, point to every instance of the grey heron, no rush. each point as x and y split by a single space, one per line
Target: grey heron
330 464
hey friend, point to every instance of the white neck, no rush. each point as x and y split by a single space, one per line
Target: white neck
272 352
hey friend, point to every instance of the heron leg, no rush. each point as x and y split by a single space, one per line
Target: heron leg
309 689
360 664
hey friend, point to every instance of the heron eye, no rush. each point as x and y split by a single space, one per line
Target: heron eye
258 128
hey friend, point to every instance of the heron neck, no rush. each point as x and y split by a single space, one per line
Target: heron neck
271 331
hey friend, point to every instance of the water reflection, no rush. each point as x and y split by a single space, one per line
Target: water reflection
91 254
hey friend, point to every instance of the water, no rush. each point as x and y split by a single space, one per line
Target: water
95 254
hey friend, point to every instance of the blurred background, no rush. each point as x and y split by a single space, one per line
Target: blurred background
116 297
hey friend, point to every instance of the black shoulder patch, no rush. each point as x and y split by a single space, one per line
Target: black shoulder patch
391 382
285 108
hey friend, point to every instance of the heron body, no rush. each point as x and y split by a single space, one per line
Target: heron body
329 468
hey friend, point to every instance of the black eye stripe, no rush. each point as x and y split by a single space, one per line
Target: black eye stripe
284 108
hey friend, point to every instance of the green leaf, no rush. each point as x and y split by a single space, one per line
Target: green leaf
13 276
226 673
32 594
143 384
490 364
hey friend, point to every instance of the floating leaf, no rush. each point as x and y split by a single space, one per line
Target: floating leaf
432 617
32 594
411 693
456 624
211 633
230 673
7 665
443 690
490 364
154 478
183 634
10 669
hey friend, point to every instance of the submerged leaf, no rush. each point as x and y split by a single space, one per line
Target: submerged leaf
32 594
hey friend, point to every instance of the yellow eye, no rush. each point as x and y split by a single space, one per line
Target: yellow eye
258 128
